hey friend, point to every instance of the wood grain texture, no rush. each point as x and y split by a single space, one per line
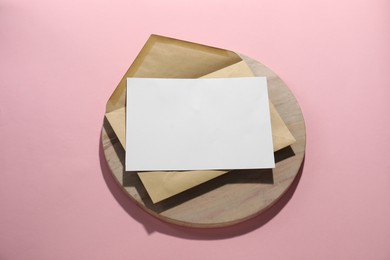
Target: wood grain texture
232 197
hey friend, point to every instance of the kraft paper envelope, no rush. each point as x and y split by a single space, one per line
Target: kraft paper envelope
163 57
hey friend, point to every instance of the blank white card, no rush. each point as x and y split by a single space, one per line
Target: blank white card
198 124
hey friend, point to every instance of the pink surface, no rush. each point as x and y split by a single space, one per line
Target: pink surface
60 61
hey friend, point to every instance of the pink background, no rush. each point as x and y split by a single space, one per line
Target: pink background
60 61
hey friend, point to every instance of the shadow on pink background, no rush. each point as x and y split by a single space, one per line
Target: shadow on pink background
152 224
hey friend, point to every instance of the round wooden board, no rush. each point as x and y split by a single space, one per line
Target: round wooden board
235 196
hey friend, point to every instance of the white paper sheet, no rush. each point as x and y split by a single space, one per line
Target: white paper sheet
198 124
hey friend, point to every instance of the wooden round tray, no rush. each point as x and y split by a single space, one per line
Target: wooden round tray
232 197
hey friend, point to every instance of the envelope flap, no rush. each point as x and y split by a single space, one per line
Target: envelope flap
117 120
239 69
163 57
165 184
281 135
